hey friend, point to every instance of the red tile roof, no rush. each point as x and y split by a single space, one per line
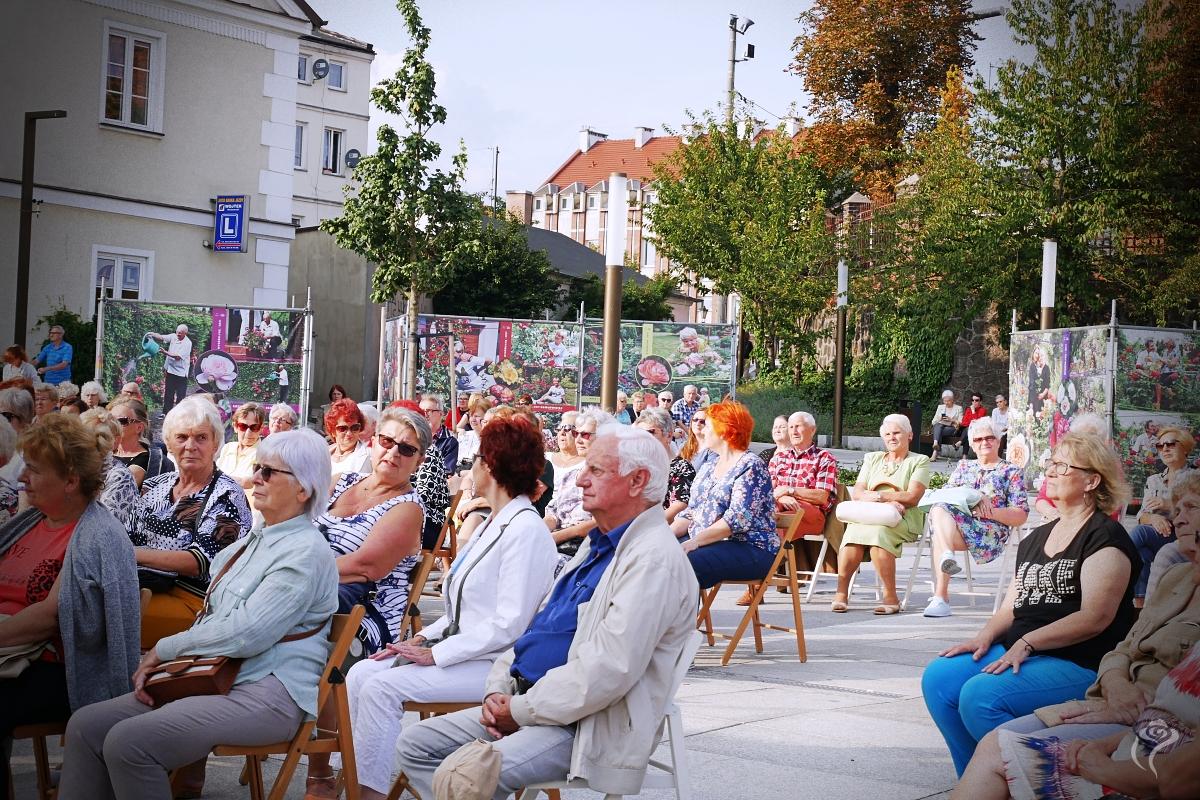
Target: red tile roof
614 155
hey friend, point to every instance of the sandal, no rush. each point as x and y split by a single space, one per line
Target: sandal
839 607
322 788
887 609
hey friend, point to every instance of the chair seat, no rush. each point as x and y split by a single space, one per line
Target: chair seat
39 729
325 742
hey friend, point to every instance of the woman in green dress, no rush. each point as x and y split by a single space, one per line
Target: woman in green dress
896 477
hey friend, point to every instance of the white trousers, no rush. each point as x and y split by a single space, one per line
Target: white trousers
378 692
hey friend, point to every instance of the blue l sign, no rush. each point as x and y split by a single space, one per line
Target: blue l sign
229 233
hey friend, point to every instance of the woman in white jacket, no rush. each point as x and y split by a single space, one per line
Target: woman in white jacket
492 592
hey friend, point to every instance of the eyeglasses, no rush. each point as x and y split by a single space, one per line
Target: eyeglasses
584 434
701 421
1166 444
1057 468
976 399
355 428
431 411
387 443
979 439
242 426
123 421
267 472
565 428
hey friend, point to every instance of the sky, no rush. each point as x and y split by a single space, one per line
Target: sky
526 76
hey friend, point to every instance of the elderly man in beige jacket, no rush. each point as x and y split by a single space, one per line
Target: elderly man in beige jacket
583 691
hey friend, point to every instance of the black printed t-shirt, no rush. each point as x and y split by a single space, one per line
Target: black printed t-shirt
1050 588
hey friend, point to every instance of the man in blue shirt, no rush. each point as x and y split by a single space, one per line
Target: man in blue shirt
54 361
443 440
584 689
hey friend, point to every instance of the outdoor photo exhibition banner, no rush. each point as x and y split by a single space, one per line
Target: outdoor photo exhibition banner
238 355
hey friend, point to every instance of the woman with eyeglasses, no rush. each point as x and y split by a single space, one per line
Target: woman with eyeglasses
1069 604
658 423
1154 529
564 436
984 530
373 525
120 494
565 516
272 596
237 458
343 423
132 448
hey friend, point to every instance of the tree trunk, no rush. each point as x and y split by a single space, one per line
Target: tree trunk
412 351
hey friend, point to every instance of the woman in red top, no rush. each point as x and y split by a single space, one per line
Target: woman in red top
973 412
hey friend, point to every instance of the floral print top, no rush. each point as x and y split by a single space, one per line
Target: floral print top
120 492
679 481
742 497
1004 483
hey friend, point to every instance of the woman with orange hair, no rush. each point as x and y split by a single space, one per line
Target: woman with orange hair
730 518
343 422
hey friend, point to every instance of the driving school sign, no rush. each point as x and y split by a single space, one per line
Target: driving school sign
229 224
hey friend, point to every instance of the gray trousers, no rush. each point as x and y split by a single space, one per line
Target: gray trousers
531 755
123 749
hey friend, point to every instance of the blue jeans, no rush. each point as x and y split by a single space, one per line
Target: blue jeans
730 560
1148 542
967 704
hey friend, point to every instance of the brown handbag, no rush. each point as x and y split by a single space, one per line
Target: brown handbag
197 676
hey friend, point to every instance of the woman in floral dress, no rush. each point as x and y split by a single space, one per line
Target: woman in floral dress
983 532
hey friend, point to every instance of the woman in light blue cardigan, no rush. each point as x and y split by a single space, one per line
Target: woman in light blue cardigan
279 581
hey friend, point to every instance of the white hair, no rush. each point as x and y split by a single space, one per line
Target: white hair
947 393
622 396
66 390
638 449
808 419
979 425
93 387
1091 423
369 411
8 441
17 401
190 412
596 415
305 453
283 411
691 386
904 423
182 327
689 332
659 417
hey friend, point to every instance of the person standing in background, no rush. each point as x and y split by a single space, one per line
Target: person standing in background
177 366
284 388
1000 422
54 361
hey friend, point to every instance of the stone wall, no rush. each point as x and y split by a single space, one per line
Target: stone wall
980 362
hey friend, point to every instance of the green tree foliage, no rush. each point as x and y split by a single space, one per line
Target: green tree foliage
411 219
647 302
748 215
502 277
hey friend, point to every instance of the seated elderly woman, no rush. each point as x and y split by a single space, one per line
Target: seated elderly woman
896 477
120 493
92 393
282 418
269 604
236 459
16 406
184 519
1129 676
983 531
133 448
469 427
343 423
9 495
1068 605
565 517
498 581
730 519
659 423
45 401
1175 444
68 585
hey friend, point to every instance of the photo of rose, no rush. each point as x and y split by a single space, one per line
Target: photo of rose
654 372
216 371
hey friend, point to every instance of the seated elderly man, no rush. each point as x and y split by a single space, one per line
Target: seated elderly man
804 475
585 687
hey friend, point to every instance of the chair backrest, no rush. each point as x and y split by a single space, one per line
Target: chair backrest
788 526
447 543
416 587
144 596
341 634
686 656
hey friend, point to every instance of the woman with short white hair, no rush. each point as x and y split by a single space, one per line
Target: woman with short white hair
9 498
982 531
282 418
16 407
66 391
92 393
120 492
370 421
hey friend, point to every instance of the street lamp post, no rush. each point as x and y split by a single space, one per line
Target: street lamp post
736 26
21 312
839 358
614 262
1049 274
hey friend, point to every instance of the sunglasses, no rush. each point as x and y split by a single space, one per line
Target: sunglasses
701 421
979 439
565 428
267 472
584 434
123 421
242 426
355 428
1166 444
387 443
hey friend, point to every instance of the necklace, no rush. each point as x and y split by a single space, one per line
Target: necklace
891 467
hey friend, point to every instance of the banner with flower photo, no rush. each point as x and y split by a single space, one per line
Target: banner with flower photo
236 354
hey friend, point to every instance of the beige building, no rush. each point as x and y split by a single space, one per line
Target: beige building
169 104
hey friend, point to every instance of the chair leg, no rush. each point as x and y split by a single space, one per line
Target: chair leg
257 788
704 618
818 569
750 615
244 778
346 741
757 623
679 766
41 758
912 573
286 770
398 787
801 646
970 580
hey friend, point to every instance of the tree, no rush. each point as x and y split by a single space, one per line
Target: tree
872 69
502 278
645 302
412 220
747 214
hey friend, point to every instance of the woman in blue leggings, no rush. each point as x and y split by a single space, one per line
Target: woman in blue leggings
1070 603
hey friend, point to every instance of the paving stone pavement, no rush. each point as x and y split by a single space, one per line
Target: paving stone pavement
849 723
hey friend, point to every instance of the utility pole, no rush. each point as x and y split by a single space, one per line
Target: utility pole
839 366
496 178
736 26
25 235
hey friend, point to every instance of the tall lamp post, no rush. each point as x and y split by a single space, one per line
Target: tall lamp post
839 358
614 262
21 312
736 26
1049 274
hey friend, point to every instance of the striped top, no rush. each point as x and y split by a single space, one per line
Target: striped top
347 534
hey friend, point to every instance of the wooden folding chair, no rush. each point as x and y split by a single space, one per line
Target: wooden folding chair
309 738
411 624
425 710
788 536
446 547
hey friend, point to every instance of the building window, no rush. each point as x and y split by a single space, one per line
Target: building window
124 275
331 152
566 204
133 78
299 156
592 201
302 68
297 221
337 76
537 204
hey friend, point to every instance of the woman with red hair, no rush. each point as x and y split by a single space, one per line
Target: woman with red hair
730 518
343 422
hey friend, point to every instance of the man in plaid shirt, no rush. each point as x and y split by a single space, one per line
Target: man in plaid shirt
804 476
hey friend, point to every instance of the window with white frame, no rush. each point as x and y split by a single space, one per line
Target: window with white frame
331 152
537 204
121 274
578 202
133 77
301 130
337 76
565 204
302 68
592 201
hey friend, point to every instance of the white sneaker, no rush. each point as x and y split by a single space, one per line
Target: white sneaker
937 608
950 564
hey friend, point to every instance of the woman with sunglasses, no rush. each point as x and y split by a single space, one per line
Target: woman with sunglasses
373 525
236 459
1068 605
133 449
658 423
564 436
343 423
565 517
1154 529
984 530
